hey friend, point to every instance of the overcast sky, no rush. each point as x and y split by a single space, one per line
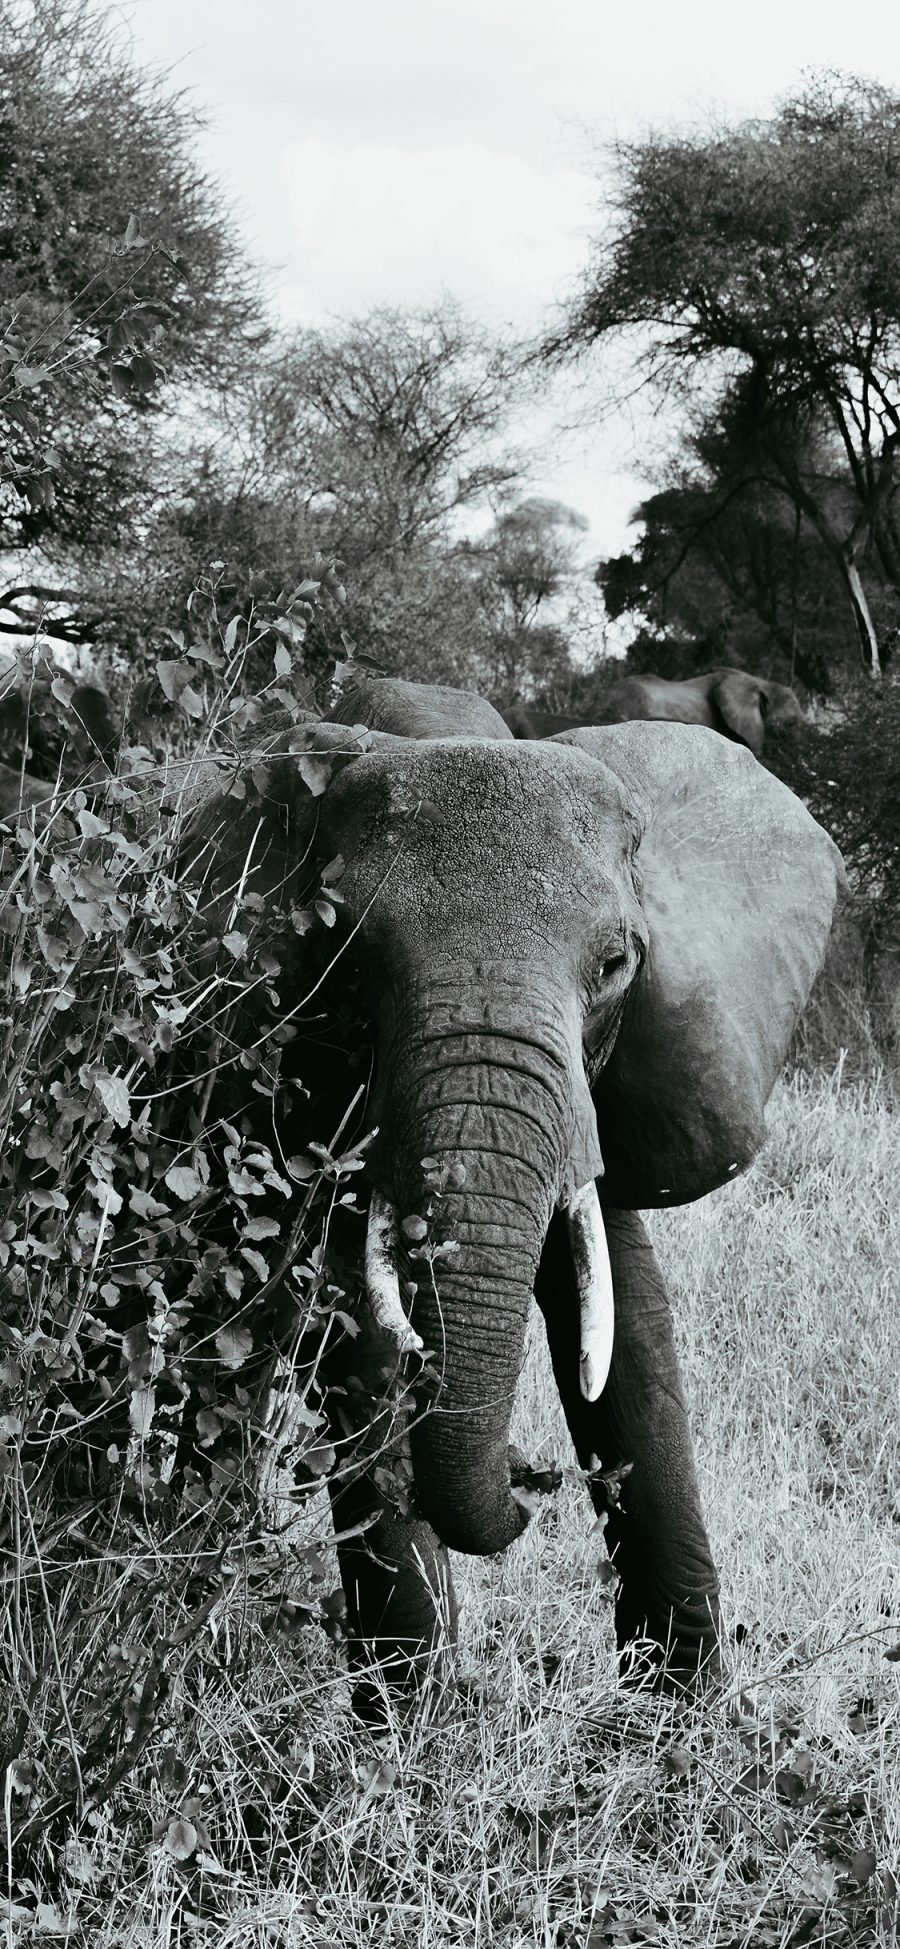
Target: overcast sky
391 150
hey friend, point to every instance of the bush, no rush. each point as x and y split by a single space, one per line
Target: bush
169 1247
847 772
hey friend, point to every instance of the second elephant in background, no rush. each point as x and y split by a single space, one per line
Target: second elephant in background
735 703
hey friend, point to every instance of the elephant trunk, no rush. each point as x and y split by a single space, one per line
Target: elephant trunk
479 1125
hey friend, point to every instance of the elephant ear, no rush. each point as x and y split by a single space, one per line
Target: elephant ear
411 710
737 698
738 886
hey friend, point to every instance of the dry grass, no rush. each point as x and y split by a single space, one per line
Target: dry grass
549 1806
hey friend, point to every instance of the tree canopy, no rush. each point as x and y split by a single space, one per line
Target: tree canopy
755 272
118 269
378 443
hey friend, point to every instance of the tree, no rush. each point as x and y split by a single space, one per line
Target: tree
117 269
521 568
762 263
718 577
397 416
373 443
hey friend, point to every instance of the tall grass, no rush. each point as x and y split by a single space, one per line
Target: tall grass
544 1803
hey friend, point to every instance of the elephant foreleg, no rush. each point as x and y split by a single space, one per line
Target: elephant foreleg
398 1587
655 1532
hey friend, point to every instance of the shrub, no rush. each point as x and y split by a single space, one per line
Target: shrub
848 773
168 1244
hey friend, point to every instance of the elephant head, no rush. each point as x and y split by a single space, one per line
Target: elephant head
69 730
750 706
736 703
584 959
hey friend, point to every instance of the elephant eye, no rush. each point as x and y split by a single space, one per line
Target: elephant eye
604 970
612 964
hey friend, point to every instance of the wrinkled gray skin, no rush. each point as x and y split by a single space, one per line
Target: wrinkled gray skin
20 726
732 702
19 789
24 734
585 953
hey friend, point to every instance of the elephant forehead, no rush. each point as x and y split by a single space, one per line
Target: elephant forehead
510 806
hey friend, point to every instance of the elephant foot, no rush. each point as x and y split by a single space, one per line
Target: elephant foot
676 1671
385 1694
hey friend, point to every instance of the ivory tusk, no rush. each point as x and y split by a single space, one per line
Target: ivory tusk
382 1281
595 1289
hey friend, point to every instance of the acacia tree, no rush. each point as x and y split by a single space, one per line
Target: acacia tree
118 269
726 570
376 443
521 569
769 255
398 416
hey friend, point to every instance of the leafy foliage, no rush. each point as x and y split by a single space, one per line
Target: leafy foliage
117 270
849 776
543 1800
380 443
367 443
726 572
766 256
167 1244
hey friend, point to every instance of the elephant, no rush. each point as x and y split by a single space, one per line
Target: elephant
86 756
734 702
18 790
77 741
49 735
582 961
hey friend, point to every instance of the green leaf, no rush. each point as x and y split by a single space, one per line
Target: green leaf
144 1206
181 1839
234 1345
22 416
144 372
90 825
377 1776
175 679
141 1410
257 1228
303 1168
283 661
120 380
315 772
114 1097
190 702
863 1865
48 1200
255 1261
184 1181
